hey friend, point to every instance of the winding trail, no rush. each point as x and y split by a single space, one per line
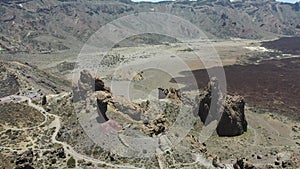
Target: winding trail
252 122
68 149
57 124
19 99
199 160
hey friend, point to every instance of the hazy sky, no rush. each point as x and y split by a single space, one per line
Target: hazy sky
292 1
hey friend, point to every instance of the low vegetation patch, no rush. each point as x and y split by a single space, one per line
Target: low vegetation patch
18 115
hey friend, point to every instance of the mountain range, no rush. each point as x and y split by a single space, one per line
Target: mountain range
38 26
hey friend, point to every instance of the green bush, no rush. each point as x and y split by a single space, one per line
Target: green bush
71 163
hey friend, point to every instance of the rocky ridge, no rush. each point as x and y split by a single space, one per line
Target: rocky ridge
25 79
232 121
60 25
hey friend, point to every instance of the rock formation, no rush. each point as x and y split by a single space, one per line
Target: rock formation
207 111
156 126
44 100
92 91
216 162
241 164
133 110
88 84
229 113
96 96
85 83
171 93
232 122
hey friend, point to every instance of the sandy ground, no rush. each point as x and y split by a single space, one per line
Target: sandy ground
227 50
267 136
168 61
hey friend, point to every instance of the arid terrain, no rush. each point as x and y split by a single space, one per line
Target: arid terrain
268 86
151 103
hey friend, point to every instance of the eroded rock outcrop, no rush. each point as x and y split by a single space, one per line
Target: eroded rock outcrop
233 121
228 110
241 164
87 84
133 110
156 126
170 93
93 94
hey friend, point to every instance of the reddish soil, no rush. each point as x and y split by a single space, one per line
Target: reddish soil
272 85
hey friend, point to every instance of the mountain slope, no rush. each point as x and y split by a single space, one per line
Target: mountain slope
24 79
57 25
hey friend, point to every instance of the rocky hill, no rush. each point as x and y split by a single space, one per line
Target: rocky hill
55 25
24 79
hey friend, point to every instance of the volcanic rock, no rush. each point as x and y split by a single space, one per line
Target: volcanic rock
99 85
88 84
60 152
44 100
124 105
138 77
216 162
233 121
240 164
85 82
91 94
156 126
212 94
170 93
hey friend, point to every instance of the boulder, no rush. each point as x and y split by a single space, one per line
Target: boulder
61 152
44 100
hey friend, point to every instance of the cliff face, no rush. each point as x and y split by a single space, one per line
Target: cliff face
233 121
57 25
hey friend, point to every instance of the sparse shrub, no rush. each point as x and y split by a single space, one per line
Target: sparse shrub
71 163
53 161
